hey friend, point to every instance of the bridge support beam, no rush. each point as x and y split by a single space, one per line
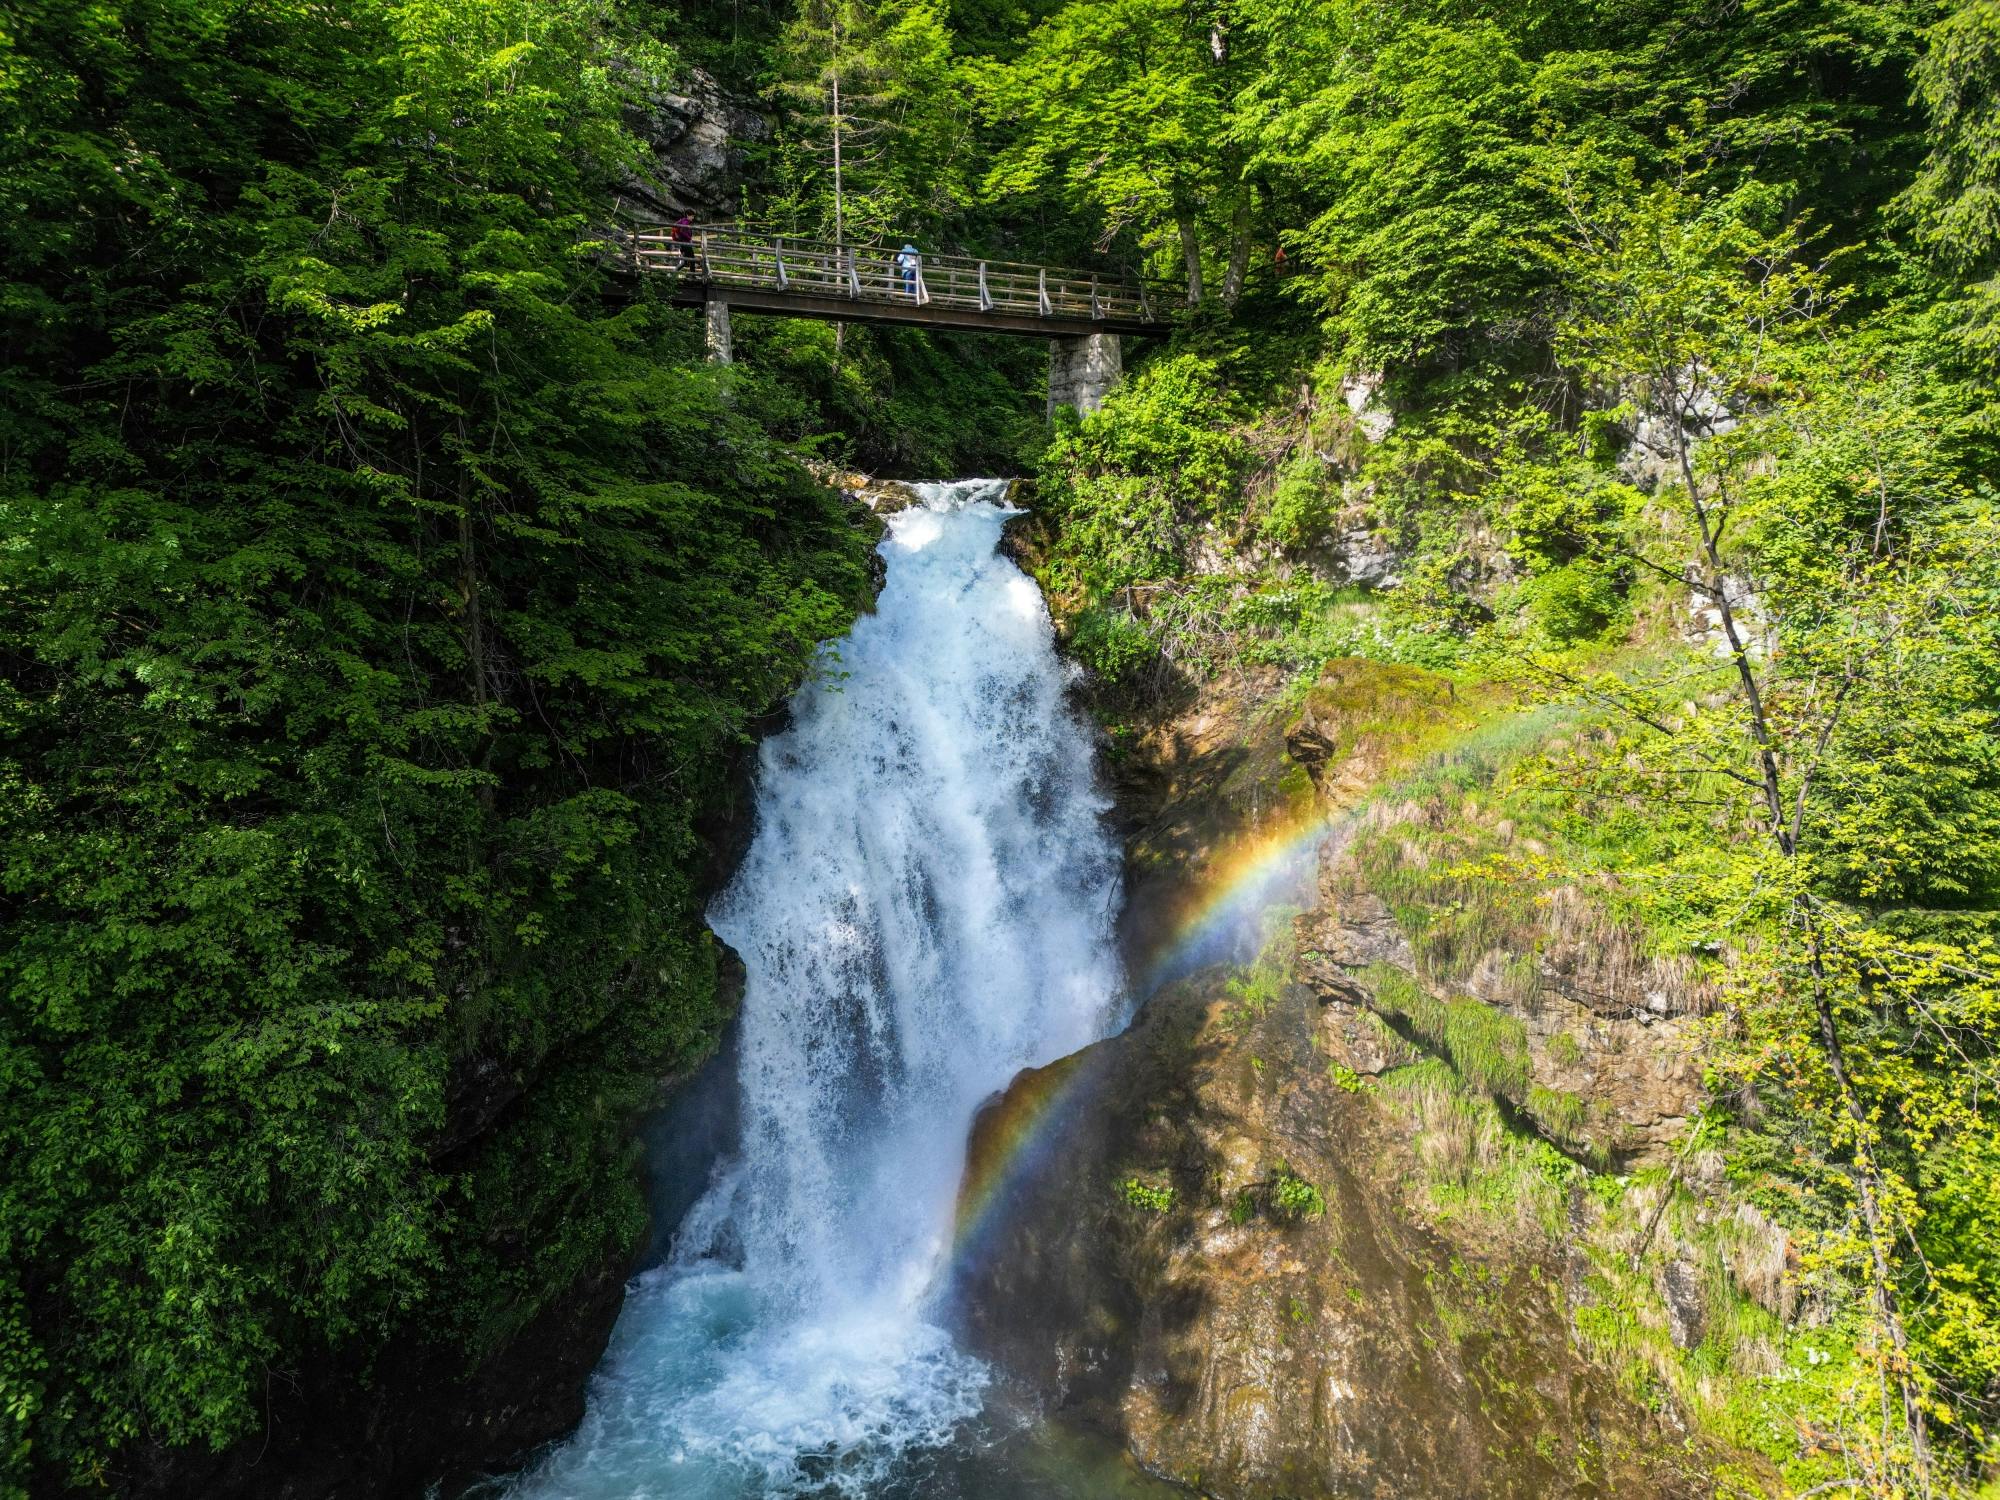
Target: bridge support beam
1082 371
717 335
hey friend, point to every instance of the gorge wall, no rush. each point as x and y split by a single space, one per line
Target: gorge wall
1318 1224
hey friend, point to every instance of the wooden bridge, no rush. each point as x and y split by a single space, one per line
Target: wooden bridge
804 278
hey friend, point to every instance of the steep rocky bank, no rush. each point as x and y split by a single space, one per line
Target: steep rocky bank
1317 1225
1218 1268
698 135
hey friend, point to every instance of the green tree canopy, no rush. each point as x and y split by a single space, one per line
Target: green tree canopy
377 600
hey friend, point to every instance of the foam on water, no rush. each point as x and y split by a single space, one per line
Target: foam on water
926 908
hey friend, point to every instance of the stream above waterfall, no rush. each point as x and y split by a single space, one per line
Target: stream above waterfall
927 907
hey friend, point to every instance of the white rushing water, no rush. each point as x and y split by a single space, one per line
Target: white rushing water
926 908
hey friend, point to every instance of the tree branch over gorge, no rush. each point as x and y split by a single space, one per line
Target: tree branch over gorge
1712 334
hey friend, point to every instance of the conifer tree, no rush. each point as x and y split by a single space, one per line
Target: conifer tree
877 126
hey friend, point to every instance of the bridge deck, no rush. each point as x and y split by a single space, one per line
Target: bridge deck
803 278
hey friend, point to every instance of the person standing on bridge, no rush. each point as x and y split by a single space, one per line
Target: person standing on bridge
684 237
907 260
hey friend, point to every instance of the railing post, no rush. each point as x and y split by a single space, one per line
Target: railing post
1042 287
706 274
1095 311
853 275
923 292
985 297
778 255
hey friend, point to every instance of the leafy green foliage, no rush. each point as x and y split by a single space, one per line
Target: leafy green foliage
1151 1197
378 602
1954 201
877 141
1292 1197
1302 505
1111 643
1417 242
1132 483
1122 107
1955 198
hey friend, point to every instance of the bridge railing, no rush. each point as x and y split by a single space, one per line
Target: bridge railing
724 256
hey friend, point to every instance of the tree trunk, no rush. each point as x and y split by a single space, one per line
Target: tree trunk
839 204
1866 1175
1239 249
1190 252
1868 1193
839 199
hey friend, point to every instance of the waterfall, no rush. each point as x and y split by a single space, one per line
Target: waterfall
926 908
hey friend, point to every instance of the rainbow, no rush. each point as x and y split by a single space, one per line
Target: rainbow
1219 924
1250 877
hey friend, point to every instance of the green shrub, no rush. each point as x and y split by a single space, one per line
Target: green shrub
1302 506
1110 643
1345 1078
1142 1194
1292 1197
1579 601
1131 484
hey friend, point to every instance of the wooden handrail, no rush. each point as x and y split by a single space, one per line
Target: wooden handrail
728 255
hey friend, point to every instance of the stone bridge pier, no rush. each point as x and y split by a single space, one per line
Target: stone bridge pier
1082 371
716 334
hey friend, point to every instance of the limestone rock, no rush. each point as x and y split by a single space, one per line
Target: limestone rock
1687 1309
1753 621
1358 554
1621 1046
1360 932
1353 1037
1244 1343
697 133
884 496
1652 455
1083 371
1360 392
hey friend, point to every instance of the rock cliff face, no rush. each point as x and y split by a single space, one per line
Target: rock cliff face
701 137
1230 1254
1611 1033
1215 1265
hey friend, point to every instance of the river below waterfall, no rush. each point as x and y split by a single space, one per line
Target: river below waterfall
926 908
